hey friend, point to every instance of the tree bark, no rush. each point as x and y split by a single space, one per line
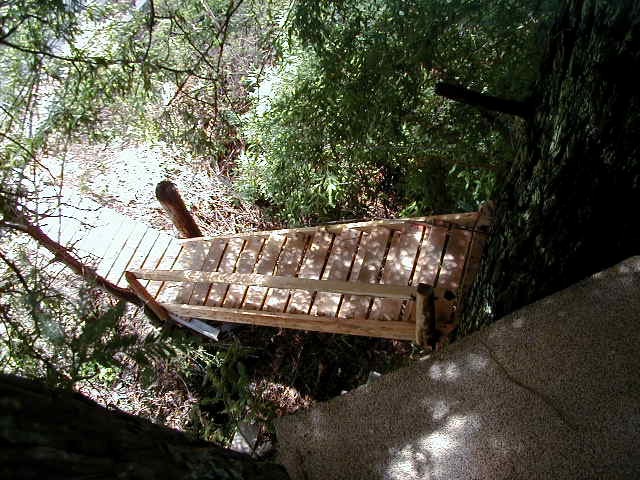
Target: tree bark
569 205
170 199
482 100
57 434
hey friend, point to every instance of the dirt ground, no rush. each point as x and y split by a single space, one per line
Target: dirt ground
123 176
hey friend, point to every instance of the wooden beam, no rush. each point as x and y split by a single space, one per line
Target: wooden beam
425 314
467 219
170 199
367 328
352 288
146 297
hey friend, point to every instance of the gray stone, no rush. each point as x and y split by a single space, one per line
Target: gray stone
550 391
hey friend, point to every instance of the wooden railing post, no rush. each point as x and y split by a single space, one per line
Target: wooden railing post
425 314
169 197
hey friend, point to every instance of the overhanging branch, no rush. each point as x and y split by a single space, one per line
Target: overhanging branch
63 255
489 102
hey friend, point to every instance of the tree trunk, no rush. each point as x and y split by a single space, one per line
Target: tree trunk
56 434
569 205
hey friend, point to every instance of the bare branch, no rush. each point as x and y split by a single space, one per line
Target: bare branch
63 255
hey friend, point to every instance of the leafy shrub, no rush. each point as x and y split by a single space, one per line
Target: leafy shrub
349 118
55 327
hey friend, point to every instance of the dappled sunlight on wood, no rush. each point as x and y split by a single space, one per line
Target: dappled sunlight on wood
360 278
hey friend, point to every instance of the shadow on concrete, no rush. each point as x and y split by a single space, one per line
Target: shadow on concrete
551 391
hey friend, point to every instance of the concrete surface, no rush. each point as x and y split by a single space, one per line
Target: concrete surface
550 391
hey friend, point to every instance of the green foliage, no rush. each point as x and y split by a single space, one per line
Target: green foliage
64 331
226 392
349 118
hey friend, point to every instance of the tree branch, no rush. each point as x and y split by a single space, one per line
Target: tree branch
65 256
489 102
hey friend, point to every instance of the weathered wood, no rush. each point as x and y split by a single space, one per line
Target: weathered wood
279 282
245 264
146 297
266 264
428 262
126 251
368 328
450 276
397 270
307 279
155 255
70 260
478 242
168 260
170 199
192 257
425 314
312 268
373 250
338 267
115 248
218 291
140 254
288 263
467 220
214 249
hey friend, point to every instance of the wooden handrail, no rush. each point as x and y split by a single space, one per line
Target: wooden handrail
401 292
146 297
357 326
459 219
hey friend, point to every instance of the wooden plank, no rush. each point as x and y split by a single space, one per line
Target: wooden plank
313 266
155 254
192 256
215 250
450 276
464 219
170 257
245 265
397 271
478 241
374 249
454 259
138 230
265 266
218 291
140 255
338 267
279 282
287 266
96 242
428 263
115 246
368 328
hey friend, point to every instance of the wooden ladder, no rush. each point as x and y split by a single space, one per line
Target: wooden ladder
397 279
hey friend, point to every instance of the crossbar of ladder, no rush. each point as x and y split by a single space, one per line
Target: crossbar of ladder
401 292
363 327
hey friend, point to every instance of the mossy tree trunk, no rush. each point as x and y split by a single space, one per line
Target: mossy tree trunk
54 434
570 205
